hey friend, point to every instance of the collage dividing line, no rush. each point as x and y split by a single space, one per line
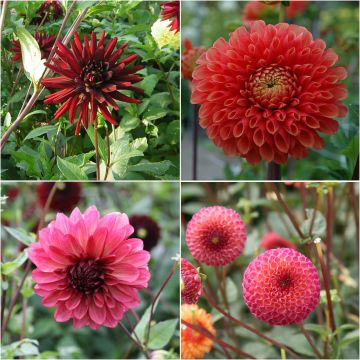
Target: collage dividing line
179 179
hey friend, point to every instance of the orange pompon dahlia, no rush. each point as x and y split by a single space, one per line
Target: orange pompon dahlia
193 344
189 58
267 93
92 77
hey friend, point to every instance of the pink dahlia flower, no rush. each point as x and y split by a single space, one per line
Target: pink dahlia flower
281 287
89 268
273 240
269 92
216 235
191 287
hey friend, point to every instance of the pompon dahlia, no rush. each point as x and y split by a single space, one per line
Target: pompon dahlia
216 235
146 229
263 10
89 268
269 92
195 345
44 40
188 59
171 11
191 288
50 10
91 77
66 196
273 240
281 287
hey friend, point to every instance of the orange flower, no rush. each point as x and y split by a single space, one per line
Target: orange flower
193 344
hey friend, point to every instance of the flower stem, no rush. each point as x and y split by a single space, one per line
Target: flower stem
248 327
195 141
222 343
326 284
23 318
96 151
109 153
282 11
172 272
309 339
273 171
139 345
2 18
329 225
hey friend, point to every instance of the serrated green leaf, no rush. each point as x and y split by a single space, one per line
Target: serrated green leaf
8 267
41 130
70 171
161 333
21 235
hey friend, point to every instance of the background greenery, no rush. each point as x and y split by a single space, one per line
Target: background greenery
337 23
145 144
261 212
49 339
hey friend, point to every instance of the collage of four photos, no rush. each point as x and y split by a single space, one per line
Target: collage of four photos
179 179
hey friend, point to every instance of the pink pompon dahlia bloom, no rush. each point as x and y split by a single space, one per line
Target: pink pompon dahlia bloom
273 240
171 10
89 268
268 93
92 78
191 287
189 58
216 235
281 287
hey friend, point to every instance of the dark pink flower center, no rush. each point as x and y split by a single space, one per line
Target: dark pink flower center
285 281
272 87
95 73
86 276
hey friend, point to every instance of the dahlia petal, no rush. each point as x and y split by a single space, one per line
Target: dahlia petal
60 256
96 242
107 114
74 301
138 259
62 109
80 311
124 272
259 137
329 110
45 277
97 314
124 98
266 152
51 299
62 314
99 299
91 218
110 47
42 260
81 322
60 82
114 220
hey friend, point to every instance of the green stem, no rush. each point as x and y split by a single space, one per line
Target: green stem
282 12
309 339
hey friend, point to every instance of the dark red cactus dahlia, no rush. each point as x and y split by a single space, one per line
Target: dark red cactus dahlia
92 76
45 41
191 288
51 9
171 10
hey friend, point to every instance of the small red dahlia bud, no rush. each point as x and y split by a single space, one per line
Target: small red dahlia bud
281 287
273 240
216 235
189 58
191 288
171 10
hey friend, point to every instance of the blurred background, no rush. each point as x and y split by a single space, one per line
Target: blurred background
337 23
261 211
21 210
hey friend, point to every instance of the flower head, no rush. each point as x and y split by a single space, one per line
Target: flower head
188 59
171 11
66 196
216 235
281 287
269 92
91 76
89 268
163 36
146 229
191 288
49 10
195 345
273 240
44 40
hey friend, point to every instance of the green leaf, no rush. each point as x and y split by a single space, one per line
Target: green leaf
156 169
8 267
99 8
149 83
21 235
349 338
103 152
142 325
129 122
70 170
161 333
154 113
173 132
319 329
344 327
41 130
319 226
38 112
31 56
231 291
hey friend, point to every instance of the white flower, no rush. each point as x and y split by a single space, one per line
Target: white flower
163 35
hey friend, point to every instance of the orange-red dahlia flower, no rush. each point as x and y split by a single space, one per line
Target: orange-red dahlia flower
267 93
171 10
191 287
261 10
195 345
92 76
188 59
273 240
281 287
44 40
216 235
